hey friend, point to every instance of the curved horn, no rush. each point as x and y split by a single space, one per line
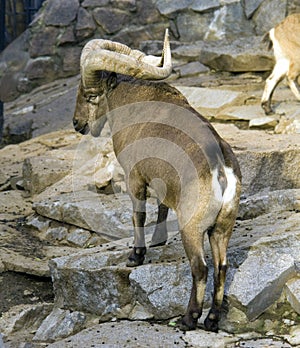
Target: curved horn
98 55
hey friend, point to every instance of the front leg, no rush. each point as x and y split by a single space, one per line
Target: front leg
137 256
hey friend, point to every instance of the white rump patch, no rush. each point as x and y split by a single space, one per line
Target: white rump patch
228 195
217 189
230 190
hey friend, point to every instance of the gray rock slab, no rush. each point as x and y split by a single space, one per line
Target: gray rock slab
242 54
14 205
22 251
98 281
24 317
163 289
260 279
125 334
191 69
267 202
209 101
41 172
292 290
110 216
245 113
59 324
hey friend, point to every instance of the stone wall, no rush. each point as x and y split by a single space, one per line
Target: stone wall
50 48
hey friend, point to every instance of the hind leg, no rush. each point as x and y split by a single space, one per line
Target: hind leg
219 237
192 239
160 234
294 86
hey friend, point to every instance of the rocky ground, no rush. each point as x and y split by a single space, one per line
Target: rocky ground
62 200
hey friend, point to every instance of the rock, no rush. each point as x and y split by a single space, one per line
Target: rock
293 294
41 172
169 7
14 134
13 61
204 339
243 54
60 14
43 43
192 26
251 6
208 101
256 291
229 22
89 210
191 69
24 318
266 162
12 203
244 113
104 291
85 25
111 20
202 6
79 237
263 122
294 337
70 60
162 289
276 13
264 342
266 202
131 333
60 324
108 215
57 233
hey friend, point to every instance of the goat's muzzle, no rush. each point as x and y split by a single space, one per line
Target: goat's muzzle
83 129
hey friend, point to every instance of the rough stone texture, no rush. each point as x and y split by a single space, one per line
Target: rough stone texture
23 317
85 25
59 324
209 101
162 289
104 291
270 13
244 54
256 291
223 35
59 13
12 202
36 179
265 202
125 334
43 43
89 210
293 294
111 20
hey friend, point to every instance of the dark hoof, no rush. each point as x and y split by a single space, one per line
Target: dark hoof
211 323
267 109
137 257
188 323
158 244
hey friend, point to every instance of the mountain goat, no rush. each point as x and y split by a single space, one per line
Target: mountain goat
163 143
286 45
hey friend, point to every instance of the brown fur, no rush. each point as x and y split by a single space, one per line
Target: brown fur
162 142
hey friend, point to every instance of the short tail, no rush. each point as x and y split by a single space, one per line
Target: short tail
267 40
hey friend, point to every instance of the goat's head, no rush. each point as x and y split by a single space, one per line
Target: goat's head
100 61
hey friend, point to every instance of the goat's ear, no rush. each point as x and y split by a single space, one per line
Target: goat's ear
112 81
